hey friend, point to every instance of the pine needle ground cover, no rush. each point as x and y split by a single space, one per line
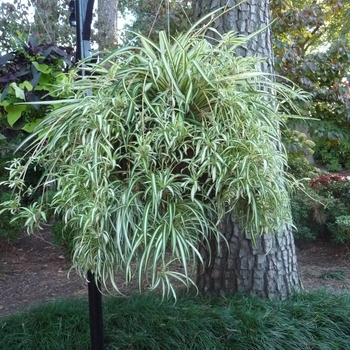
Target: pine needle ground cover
318 320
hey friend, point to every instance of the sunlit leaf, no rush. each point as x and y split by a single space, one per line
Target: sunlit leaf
42 67
29 127
18 91
26 84
14 112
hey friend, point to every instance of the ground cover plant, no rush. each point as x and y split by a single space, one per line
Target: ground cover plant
317 321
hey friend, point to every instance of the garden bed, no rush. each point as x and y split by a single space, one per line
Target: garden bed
34 271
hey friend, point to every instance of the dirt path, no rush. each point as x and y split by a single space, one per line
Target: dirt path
34 271
324 264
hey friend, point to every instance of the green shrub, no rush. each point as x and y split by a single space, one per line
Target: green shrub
63 236
333 153
333 166
30 74
340 229
9 229
309 214
322 209
300 167
298 148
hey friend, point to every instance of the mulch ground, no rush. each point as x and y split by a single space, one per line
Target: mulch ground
34 271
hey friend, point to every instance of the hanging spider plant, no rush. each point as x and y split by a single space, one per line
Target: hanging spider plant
173 135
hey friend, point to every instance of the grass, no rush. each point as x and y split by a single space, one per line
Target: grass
338 275
318 320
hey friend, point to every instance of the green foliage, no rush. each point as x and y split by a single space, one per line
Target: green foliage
322 209
14 18
9 229
63 236
297 143
47 19
338 275
298 149
169 137
311 24
30 74
309 321
334 153
6 156
308 211
10 152
300 167
300 32
340 229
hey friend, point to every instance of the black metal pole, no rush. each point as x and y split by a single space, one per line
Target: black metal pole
96 314
83 17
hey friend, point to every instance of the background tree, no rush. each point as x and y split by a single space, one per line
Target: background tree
107 24
14 19
266 267
51 21
150 17
46 19
311 23
309 52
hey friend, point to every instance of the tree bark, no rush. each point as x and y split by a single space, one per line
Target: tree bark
267 268
245 19
107 24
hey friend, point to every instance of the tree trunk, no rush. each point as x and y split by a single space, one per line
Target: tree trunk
267 268
107 24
